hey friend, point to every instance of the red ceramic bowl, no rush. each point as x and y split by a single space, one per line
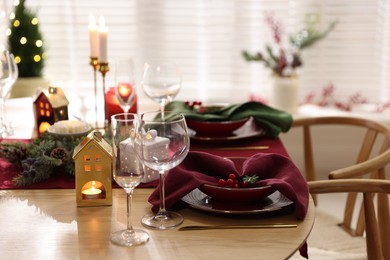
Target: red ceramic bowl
219 128
243 195
236 194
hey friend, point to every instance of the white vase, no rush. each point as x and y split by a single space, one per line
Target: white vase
285 93
27 87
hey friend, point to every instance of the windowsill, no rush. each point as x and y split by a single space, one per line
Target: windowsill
365 111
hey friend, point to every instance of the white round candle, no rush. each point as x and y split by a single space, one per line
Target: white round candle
92 193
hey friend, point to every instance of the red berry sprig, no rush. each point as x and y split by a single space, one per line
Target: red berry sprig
233 182
200 108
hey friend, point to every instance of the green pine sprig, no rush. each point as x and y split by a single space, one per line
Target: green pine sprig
250 179
41 159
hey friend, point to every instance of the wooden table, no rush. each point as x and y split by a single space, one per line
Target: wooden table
47 224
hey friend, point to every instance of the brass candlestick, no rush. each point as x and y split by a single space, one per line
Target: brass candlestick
104 68
95 65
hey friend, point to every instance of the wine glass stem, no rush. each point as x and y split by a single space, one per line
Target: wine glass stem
2 113
162 192
129 201
162 107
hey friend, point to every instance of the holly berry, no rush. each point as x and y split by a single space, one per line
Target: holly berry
221 183
234 182
229 182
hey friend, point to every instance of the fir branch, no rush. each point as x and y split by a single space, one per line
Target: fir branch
43 147
41 159
14 152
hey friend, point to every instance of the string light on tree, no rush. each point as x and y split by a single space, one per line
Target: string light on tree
25 41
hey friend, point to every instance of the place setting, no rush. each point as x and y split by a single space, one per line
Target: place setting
221 123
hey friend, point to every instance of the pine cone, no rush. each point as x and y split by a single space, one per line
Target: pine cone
59 153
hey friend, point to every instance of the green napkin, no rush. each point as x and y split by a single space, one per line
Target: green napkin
272 120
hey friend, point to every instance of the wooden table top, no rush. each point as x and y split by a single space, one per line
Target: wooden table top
47 224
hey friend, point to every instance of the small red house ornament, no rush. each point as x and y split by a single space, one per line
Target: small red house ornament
50 106
93 171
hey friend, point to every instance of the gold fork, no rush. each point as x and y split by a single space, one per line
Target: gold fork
256 226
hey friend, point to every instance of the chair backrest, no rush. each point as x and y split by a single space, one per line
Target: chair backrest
377 222
374 132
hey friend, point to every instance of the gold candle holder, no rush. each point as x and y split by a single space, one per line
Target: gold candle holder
104 68
95 65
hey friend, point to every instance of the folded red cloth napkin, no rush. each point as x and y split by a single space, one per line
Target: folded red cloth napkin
199 168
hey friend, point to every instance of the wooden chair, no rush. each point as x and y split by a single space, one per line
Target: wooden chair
374 151
377 222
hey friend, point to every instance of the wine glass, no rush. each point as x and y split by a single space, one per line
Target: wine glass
125 83
127 173
161 82
163 144
8 75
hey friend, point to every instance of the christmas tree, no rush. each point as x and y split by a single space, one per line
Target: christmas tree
25 41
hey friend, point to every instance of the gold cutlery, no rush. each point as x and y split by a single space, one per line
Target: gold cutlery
261 147
256 226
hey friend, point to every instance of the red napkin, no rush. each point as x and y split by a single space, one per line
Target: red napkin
199 168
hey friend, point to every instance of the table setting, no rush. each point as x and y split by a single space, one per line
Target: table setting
198 167
206 163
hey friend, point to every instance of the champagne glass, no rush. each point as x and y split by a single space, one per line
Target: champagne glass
164 143
127 172
125 83
8 75
161 82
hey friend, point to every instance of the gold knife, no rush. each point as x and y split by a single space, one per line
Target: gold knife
256 226
261 147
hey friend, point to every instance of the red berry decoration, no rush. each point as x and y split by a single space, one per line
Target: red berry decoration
229 182
221 183
234 182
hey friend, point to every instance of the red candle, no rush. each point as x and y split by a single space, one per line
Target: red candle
113 105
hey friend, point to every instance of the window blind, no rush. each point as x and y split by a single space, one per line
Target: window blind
206 38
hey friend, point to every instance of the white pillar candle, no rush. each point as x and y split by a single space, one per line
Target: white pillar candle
102 40
93 36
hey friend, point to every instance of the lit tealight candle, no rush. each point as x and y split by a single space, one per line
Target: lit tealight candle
124 90
93 36
103 30
92 193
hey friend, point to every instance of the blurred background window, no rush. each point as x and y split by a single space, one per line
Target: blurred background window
206 37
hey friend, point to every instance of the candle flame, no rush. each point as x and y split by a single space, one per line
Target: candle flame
124 90
92 19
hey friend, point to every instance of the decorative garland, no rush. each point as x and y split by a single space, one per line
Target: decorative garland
41 159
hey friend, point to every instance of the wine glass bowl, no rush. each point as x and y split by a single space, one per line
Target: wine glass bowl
125 81
163 144
161 82
127 173
8 75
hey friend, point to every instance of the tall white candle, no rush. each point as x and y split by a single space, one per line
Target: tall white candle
93 36
102 40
